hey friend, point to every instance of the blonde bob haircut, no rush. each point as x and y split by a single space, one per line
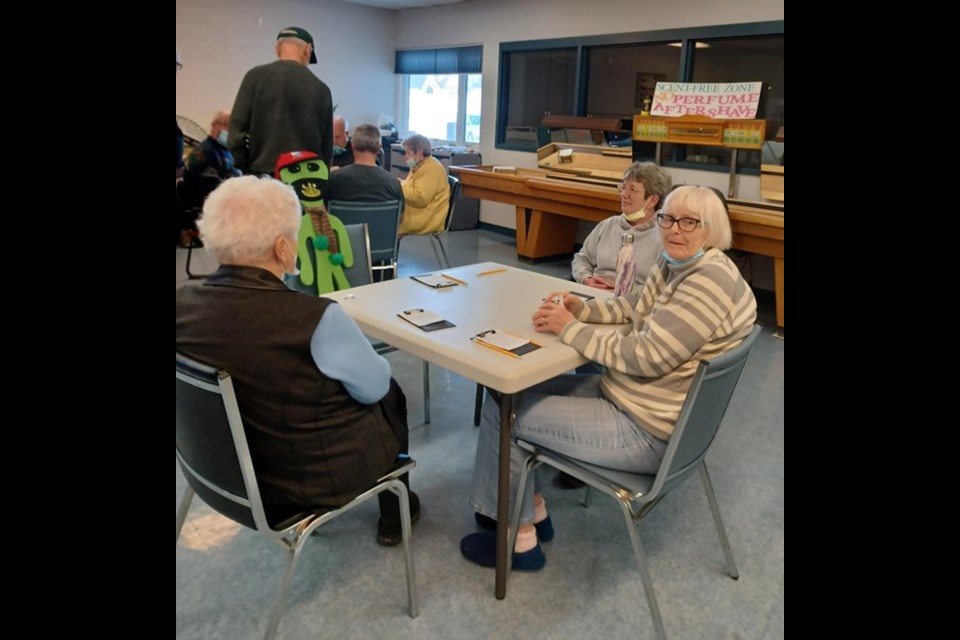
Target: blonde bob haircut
705 203
243 217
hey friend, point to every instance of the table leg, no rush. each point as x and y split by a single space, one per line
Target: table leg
778 288
503 495
521 214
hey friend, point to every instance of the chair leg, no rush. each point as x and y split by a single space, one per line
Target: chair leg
426 392
437 242
184 508
407 528
644 573
478 405
587 497
274 623
721 530
189 258
190 274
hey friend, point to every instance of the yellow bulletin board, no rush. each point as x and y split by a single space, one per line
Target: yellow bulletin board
733 134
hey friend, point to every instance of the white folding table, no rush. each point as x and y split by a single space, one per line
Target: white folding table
504 300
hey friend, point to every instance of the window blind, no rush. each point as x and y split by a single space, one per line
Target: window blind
450 60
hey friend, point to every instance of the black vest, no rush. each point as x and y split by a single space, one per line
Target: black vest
312 444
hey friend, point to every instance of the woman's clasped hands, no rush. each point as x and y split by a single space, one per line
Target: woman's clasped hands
557 310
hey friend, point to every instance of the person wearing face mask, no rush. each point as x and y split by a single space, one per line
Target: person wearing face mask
425 190
342 145
694 305
642 191
323 416
209 164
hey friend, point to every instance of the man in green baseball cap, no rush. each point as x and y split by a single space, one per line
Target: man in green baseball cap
299 34
281 107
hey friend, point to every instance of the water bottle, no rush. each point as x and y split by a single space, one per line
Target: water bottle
626 266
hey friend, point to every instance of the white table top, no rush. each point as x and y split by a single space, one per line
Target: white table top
504 300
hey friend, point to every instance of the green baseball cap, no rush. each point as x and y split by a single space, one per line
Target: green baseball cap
297 32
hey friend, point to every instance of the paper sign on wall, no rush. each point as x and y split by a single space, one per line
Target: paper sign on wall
721 100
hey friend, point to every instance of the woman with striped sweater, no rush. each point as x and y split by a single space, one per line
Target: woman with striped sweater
694 306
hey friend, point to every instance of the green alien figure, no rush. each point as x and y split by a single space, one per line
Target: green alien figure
308 175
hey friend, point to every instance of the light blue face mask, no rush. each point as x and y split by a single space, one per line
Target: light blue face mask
680 263
287 276
338 150
222 136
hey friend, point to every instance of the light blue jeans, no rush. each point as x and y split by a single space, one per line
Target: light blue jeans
569 415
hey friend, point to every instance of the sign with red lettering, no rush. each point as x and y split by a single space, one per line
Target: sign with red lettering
720 100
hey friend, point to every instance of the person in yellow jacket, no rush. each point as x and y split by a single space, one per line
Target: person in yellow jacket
425 191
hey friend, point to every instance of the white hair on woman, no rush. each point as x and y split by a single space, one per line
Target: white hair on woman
705 203
243 217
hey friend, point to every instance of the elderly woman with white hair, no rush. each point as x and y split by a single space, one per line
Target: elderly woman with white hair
323 416
694 305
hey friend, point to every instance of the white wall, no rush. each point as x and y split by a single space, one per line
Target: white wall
220 40
490 22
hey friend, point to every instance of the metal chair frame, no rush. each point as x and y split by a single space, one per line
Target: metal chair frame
710 391
230 486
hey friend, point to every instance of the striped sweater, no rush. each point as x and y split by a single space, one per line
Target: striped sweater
682 315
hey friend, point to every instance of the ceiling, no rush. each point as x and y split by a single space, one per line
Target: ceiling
401 4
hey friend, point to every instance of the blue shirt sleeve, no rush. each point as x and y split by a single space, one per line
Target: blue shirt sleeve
342 352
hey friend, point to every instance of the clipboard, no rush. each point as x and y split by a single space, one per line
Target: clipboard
425 320
434 280
505 343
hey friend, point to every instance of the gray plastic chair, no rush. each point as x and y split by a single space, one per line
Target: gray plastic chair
383 220
713 385
436 238
361 274
213 454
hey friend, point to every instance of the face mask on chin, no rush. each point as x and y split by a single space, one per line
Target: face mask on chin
636 215
412 162
679 263
338 150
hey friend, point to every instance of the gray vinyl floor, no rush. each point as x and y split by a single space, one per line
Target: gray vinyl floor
347 586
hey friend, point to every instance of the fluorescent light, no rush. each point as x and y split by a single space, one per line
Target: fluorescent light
699 45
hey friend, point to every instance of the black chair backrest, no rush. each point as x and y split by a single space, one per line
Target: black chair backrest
454 183
205 445
382 218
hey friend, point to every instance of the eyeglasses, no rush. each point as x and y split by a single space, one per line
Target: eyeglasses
634 190
686 224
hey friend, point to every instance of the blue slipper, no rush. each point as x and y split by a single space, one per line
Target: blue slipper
481 548
544 527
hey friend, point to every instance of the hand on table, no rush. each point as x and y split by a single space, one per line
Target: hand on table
551 317
598 283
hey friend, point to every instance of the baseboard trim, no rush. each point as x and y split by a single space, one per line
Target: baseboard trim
493 228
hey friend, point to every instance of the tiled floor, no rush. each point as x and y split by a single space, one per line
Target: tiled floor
347 586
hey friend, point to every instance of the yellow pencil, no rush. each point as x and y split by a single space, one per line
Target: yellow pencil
522 338
496 348
457 280
487 273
